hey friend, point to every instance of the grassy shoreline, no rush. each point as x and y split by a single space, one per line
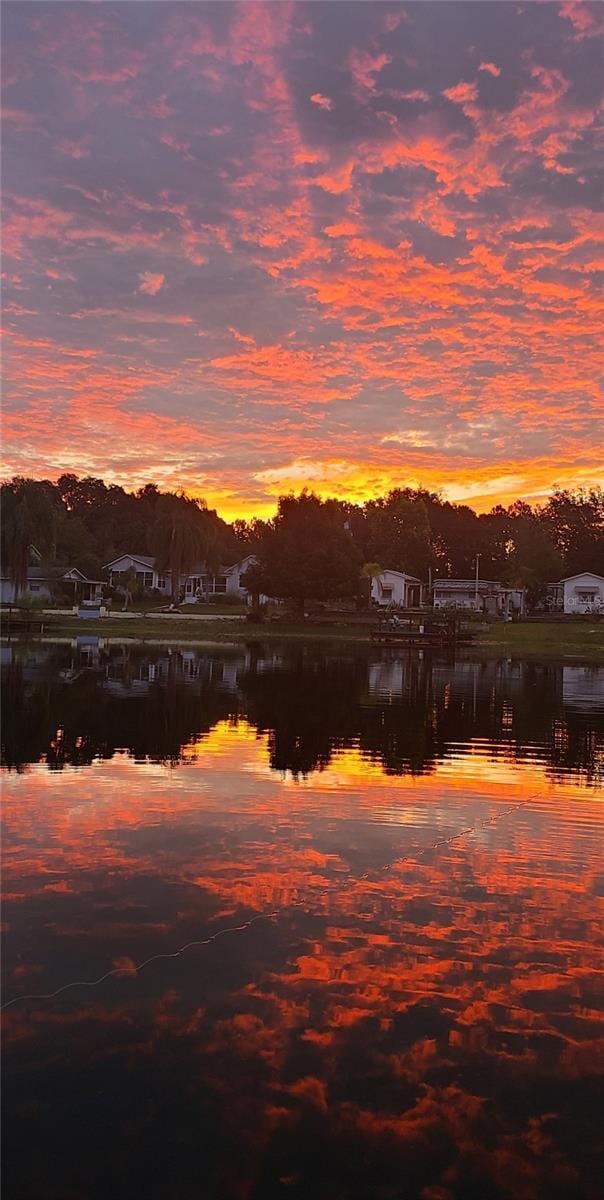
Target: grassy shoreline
575 640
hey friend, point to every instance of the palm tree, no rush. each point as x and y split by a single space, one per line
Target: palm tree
213 559
29 519
368 572
178 539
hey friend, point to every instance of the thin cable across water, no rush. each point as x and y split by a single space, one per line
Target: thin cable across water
481 823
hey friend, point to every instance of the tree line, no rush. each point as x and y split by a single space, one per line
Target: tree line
311 548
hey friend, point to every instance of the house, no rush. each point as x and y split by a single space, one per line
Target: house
198 583
478 595
42 585
582 593
234 576
144 569
396 589
152 580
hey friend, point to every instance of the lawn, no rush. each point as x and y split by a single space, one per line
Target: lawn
572 639
550 639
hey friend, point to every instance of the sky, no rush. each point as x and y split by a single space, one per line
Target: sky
250 247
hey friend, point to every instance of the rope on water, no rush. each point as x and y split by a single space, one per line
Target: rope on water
136 967
482 823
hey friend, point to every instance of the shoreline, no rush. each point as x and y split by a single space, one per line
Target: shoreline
576 641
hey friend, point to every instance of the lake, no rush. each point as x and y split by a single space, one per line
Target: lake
363 887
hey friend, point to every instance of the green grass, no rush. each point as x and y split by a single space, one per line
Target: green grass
185 629
573 639
549 639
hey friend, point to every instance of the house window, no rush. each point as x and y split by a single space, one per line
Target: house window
220 583
34 587
161 583
387 593
587 597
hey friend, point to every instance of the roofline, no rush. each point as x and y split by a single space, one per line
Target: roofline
393 571
135 558
578 575
473 582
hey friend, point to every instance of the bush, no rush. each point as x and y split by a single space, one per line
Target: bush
227 598
30 603
257 614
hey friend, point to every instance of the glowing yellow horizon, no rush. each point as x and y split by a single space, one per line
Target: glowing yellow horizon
356 483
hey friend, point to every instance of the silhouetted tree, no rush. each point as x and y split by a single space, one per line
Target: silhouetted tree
306 553
29 518
178 538
395 531
576 524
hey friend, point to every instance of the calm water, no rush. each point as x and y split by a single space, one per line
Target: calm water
397 861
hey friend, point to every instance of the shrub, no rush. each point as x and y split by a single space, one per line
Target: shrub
257 614
227 598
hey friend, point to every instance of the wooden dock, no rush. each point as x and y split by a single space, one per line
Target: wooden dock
422 631
18 625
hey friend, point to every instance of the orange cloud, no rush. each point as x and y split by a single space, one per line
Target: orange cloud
322 101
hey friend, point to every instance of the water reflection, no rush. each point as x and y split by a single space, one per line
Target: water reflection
418 1020
406 713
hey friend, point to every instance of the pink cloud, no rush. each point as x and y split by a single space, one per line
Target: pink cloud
364 67
582 17
490 68
76 148
151 283
19 117
322 101
417 94
462 93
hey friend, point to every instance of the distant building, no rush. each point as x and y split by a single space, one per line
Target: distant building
42 585
582 593
199 582
143 567
478 595
396 589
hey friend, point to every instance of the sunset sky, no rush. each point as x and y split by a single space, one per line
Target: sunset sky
249 247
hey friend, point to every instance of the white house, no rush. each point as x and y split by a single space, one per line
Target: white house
396 589
144 568
42 581
233 578
478 595
234 575
582 593
149 578
198 583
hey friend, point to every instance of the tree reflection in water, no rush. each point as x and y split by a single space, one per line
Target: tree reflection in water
420 1019
405 713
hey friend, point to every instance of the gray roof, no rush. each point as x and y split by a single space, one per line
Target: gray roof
48 574
466 583
144 559
239 563
393 571
579 574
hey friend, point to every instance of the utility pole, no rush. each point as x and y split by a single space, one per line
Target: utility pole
476 583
